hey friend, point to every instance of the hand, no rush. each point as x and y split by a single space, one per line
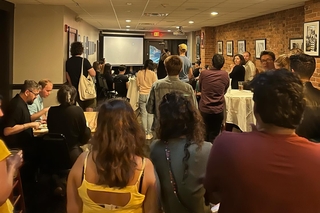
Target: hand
15 161
35 125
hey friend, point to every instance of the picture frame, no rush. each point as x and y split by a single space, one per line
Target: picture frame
295 43
260 45
241 46
229 48
72 37
311 38
220 47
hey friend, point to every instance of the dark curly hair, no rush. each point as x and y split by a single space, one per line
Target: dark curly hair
242 61
279 98
179 117
117 140
302 64
76 48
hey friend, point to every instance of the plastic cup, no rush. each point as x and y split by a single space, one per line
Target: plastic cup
240 85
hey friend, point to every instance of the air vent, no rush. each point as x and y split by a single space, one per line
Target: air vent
156 14
146 24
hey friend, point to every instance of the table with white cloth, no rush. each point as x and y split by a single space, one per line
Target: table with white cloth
239 109
133 94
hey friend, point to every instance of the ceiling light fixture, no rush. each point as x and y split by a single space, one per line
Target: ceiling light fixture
127 26
169 30
214 13
129 3
128 20
177 27
191 22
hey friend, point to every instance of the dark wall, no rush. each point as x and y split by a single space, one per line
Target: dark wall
6 50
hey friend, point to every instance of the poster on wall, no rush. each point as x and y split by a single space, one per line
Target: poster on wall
311 38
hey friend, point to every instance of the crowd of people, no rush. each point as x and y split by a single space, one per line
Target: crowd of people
193 164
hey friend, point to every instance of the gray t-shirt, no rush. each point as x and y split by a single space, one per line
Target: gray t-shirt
191 190
186 65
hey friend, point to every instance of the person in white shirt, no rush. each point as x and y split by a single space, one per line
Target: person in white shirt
249 67
36 110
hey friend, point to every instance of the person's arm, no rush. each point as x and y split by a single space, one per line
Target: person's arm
19 128
8 167
92 72
74 202
68 78
190 74
151 102
37 115
127 84
151 196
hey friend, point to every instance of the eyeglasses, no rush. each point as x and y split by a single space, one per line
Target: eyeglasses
267 60
36 94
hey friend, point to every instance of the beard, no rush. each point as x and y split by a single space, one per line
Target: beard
30 102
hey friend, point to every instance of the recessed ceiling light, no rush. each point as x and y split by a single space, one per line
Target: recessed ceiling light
169 30
177 27
128 3
128 20
127 29
191 22
214 13
127 26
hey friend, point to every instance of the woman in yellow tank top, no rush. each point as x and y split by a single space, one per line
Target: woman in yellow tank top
8 167
114 176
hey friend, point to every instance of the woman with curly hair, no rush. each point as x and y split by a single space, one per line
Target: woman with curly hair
114 176
180 155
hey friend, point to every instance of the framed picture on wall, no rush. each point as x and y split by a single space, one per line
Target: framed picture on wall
295 43
311 38
241 46
229 48
260 46
220 47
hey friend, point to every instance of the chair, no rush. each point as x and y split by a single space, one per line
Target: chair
105 89
54 161
53 153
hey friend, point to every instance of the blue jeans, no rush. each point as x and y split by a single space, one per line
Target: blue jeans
147 119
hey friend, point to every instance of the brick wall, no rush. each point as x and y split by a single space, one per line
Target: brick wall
276 28
312 13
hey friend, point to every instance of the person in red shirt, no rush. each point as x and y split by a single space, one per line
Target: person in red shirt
270 169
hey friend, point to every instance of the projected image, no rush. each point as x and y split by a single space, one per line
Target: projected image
154 54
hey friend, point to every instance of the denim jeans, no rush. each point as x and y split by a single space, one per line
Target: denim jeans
147 119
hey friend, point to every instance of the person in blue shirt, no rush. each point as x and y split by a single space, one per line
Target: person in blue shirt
37 112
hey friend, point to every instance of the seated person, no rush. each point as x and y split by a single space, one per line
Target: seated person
36 109
121 82
114 176
68 119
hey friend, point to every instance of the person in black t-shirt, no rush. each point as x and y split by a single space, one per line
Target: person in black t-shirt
121 82
17 120
73 69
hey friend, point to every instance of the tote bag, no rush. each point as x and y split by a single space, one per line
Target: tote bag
86 86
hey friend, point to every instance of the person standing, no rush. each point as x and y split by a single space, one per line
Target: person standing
145 79
161 70
73 69
270 169
238 72
213 85
186 74
249 67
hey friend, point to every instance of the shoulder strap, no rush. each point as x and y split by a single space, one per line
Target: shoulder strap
82 66
85 167
141 175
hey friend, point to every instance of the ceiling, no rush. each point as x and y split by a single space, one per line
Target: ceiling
112 14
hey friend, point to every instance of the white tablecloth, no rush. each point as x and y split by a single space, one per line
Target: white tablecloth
239 109
133 94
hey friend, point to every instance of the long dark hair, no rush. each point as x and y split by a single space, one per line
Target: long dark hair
118 138
179 117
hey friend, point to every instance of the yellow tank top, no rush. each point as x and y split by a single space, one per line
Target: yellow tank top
4 153
89 206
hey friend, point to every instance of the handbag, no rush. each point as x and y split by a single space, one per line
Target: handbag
86 88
